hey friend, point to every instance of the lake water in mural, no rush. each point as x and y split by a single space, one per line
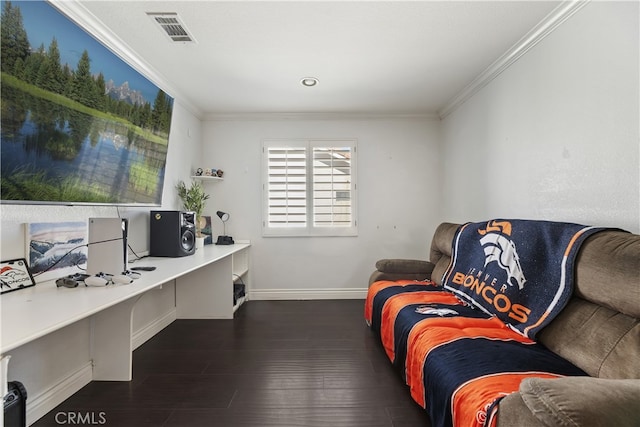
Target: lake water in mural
54 153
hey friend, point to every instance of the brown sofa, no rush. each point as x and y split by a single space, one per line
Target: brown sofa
598 331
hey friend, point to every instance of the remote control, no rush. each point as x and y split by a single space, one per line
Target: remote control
66 282
95 281
143 268
121 278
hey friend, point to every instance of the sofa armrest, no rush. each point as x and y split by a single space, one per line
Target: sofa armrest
576 401
512 411
398 269
409 266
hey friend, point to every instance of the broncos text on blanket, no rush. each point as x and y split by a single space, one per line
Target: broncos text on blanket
518 270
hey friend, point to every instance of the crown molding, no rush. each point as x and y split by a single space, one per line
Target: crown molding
554 19
319 116
78 13
82 17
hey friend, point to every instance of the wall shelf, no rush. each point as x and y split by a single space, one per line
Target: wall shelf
207 178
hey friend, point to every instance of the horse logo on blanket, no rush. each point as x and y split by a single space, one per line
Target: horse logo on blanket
500 249
427 309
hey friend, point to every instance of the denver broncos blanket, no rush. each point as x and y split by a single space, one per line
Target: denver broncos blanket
457 360
462 347
520 271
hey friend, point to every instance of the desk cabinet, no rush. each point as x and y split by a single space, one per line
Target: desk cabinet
207 293
240 267
204 290
96 322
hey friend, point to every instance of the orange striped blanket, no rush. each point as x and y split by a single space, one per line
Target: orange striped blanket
458 361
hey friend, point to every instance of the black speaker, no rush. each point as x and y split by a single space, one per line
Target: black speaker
172 233
15 405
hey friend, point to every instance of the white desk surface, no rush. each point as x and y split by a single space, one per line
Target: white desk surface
31 313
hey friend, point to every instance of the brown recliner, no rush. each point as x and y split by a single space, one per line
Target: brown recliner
598 331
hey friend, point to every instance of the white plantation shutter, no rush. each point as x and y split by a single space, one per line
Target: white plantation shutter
332 186
309 187
287 187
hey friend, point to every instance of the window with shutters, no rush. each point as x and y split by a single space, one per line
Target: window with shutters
309 187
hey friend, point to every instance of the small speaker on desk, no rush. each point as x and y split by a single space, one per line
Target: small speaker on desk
172 233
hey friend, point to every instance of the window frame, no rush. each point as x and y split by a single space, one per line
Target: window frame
310 229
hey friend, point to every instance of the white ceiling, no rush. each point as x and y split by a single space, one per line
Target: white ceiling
382 57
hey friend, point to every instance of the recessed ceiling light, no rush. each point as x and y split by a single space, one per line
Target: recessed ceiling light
309 81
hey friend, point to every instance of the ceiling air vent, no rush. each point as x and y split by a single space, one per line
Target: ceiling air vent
172 26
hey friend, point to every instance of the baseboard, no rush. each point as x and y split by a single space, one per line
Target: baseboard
147 332
307 294
41 404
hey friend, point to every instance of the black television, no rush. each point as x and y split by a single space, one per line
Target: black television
79 125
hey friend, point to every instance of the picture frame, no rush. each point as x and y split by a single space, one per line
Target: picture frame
15 275
93 108
56 249
206 229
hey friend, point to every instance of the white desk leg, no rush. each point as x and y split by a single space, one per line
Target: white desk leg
206 293
111 348
4 373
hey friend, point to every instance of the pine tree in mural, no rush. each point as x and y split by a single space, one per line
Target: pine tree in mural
52 79
43 68
14 43
83 88
161 113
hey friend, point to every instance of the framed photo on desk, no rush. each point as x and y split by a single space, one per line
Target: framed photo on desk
15 275
205 228
55 249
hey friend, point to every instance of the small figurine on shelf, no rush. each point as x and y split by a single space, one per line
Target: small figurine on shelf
209 172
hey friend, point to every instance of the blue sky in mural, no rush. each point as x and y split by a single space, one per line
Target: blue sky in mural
43 22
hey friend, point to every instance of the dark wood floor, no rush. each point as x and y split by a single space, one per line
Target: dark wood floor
278 363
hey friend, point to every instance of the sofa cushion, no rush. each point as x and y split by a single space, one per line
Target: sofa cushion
440 254
603 342
610 257
512 411
583 401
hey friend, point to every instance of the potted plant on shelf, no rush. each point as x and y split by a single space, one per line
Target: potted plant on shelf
193 200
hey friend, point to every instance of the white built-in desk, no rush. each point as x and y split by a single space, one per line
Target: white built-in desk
204 290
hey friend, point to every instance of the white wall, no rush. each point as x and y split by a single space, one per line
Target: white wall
397 182
61 359
555 136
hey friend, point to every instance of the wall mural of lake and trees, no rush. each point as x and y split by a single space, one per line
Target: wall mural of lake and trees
79 125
